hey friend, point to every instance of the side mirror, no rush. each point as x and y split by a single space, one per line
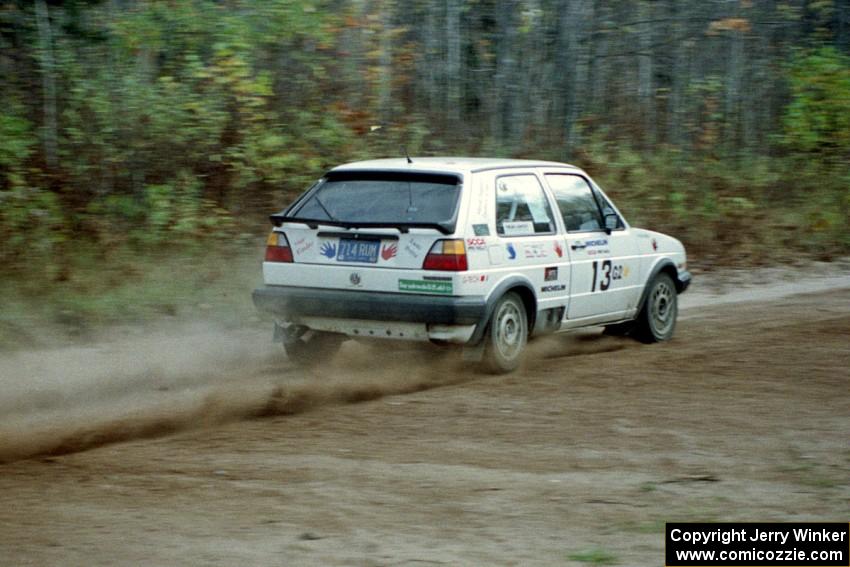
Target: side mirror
612 222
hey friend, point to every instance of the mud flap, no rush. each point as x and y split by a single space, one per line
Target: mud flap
473 353
289 332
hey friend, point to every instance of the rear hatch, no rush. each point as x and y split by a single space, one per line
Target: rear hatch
371 219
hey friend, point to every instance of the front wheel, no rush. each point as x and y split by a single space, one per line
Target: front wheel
308 348
657 319
506 334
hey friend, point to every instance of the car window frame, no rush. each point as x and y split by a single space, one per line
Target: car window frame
553 219
597 191
593 192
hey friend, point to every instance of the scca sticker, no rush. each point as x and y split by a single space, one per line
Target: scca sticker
476 243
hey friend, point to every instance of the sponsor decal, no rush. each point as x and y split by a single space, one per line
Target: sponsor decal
413 248
303 248
482 205
534 251
515 228
511 251
625 271
605 273
476 243
598 252
389 251
599 242
354 278
473 278
437 278
328 250
481 230
551 274
423 286
558 250
550 288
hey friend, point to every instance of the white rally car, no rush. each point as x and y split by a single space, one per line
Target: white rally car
483 253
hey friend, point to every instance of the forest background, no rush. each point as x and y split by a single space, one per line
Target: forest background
144 142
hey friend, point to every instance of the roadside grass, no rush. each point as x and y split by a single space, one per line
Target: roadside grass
812 474
645 527
99 291
594 556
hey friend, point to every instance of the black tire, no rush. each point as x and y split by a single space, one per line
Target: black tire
506 335
657 319
309 349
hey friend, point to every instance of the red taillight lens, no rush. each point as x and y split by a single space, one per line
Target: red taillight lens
446 256
277 248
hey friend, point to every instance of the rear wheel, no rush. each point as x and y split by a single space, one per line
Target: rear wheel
506 334
309 348
657 319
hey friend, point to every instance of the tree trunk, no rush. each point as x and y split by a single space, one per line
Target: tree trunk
385 106
453 78
646 87
48 82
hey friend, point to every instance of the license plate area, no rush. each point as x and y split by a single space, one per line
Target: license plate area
359 250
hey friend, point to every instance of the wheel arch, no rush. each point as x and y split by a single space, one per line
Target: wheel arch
663 266
517 284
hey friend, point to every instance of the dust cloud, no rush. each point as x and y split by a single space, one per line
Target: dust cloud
72 399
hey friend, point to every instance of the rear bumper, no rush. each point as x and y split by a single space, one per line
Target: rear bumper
293 302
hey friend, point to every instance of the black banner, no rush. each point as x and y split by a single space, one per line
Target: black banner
802 544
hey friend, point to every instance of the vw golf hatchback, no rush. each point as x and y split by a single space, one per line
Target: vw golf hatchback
483 253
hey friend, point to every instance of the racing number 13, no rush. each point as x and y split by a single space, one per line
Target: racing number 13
606 274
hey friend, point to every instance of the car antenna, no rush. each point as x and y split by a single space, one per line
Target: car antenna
376 127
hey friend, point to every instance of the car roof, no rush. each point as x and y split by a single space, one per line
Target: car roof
457 165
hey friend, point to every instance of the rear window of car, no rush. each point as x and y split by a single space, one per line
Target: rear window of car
382 197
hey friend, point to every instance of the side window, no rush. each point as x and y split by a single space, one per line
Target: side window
576 202
521 206
607 209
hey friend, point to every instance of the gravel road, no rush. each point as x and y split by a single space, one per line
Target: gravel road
209 449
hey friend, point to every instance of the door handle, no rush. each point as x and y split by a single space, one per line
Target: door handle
578 246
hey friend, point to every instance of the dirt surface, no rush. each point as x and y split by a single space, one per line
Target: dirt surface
211 450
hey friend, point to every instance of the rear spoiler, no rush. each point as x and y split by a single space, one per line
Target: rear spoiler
403 227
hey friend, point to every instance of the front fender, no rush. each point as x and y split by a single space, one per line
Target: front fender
681 279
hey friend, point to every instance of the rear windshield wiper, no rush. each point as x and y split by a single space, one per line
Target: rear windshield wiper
324 208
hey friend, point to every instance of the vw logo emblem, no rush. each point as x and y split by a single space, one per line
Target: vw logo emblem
354 278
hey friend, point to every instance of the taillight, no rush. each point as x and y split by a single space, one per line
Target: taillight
447 256
277 248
